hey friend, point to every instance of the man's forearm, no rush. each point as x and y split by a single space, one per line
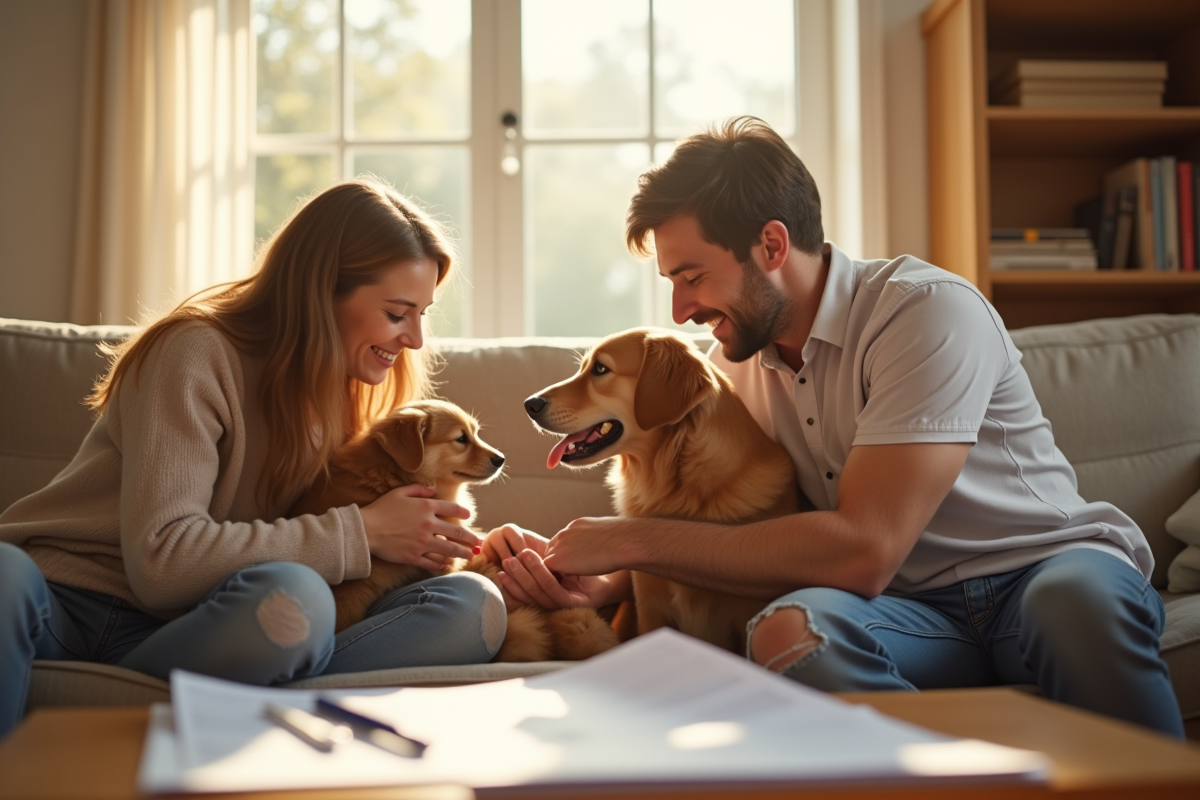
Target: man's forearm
761 560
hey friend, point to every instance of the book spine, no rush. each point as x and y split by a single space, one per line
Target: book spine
1123 238
1156 214
1187 217
1145 218
1170 215
1107 234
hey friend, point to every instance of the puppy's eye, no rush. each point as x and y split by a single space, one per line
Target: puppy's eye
598 368
464 439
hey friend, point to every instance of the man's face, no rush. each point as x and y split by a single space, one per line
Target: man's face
709 286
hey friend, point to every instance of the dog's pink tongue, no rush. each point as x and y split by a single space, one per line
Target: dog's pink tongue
556 454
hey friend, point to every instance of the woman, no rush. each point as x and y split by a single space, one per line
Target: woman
162 545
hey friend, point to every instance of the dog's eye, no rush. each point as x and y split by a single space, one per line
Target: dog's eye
598 368
464 439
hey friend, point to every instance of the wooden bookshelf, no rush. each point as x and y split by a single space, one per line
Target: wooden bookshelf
1005 166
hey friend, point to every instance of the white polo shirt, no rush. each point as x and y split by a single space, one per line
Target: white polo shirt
902 351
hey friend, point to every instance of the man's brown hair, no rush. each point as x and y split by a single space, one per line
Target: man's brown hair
733 178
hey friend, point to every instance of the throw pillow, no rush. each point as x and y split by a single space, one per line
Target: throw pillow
1184 573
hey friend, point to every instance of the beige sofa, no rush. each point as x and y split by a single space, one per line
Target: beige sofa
1123 395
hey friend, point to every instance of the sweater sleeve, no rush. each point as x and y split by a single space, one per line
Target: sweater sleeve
180 432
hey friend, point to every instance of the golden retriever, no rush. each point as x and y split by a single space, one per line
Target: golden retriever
683 447
437 444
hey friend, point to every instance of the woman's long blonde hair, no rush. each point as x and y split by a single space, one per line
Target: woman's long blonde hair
345 237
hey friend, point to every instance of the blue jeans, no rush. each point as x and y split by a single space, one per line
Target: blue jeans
264 624
1082 625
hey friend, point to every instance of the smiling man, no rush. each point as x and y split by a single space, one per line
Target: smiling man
949 546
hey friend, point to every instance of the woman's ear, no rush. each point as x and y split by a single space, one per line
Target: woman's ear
674 378
403 438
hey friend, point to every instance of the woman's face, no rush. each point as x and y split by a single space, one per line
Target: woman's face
378 320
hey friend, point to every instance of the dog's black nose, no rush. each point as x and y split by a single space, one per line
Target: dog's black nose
534 405
497 461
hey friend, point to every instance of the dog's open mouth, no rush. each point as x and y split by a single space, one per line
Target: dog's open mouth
585 444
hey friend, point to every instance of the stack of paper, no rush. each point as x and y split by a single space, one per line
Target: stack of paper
661 708
1034 83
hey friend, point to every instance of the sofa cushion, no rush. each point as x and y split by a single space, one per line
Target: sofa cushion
1180 648
46 370
1123 396
1184 573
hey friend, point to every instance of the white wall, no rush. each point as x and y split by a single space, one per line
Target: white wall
41 98
41 108
904 110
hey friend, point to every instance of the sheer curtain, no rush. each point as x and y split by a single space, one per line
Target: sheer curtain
167 178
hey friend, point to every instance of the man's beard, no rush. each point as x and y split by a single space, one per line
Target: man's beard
757 317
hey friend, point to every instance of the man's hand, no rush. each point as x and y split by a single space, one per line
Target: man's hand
526 580
508 540
592 546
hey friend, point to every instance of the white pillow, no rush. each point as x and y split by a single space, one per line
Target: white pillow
1183 576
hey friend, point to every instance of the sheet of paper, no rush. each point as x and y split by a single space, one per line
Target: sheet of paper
661 708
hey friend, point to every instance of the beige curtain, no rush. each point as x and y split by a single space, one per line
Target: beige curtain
166 190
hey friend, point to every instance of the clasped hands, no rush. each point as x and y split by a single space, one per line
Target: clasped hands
528 577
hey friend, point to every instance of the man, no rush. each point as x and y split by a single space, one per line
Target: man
949 546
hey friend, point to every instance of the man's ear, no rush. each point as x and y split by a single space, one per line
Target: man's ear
674 378
403 438
775 242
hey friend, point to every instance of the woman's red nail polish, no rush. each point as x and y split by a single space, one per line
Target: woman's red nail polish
476 550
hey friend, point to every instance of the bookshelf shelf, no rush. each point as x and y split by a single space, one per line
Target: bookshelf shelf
1119 133
997 166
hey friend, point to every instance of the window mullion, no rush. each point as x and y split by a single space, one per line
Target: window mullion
513 286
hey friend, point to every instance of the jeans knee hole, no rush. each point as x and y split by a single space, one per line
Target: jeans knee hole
282 619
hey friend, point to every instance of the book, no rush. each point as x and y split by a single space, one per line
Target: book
1123 235
1078 100
1042 261
1136 173
1078 68
1099 215
1156 218
1037 234
1170 214
1196 210
1083 86
1187 217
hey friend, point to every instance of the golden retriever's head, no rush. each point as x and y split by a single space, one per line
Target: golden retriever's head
438 443
629 385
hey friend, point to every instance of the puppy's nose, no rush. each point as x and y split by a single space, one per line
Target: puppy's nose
534 405
497 461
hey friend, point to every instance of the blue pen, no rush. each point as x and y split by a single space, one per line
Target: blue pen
377 732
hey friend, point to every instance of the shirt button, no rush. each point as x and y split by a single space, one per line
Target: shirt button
804 380
809 420
829 475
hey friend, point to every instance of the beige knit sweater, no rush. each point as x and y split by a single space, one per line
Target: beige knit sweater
159 505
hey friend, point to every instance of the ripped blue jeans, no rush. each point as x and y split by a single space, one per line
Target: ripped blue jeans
265 624
1082 625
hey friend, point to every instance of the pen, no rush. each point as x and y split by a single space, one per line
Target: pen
316 731
375 731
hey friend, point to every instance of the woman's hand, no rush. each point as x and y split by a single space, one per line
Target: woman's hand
403 527
508 540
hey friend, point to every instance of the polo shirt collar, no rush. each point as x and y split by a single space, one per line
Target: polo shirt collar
833 314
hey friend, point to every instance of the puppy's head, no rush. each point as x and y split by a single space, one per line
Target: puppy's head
629 385
437 443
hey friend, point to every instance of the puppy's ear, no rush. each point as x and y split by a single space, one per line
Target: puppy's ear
674 378
404 439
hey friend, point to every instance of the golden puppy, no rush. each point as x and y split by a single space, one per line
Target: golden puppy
437 444
683 447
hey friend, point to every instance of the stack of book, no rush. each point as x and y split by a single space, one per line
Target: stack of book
1042 248
1035 83
1156 202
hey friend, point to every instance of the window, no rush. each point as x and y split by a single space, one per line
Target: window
522 123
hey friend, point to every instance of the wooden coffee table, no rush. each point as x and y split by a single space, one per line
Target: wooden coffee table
85 753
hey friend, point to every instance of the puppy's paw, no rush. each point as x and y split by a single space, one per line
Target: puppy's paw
580 633
527 638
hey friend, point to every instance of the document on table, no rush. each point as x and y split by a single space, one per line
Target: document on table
662 708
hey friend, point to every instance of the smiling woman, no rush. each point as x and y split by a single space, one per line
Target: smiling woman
168 532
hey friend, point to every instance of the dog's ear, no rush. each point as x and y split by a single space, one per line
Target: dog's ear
403 438
674 378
